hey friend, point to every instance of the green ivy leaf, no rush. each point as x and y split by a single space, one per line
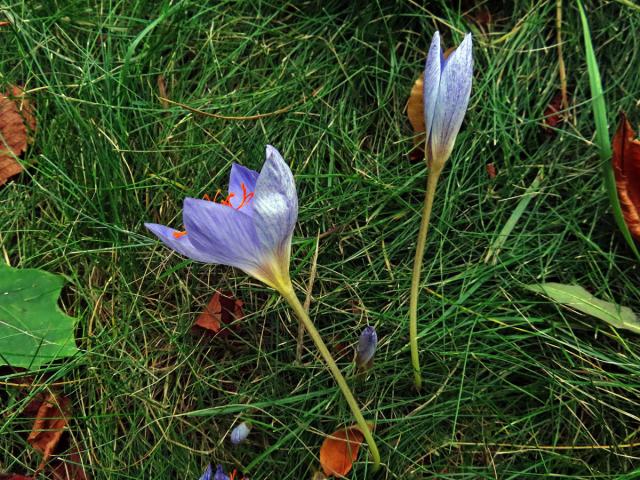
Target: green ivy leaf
576 297
33 329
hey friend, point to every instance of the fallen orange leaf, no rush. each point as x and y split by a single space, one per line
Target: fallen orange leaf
339 450
221 310
415 112
49 425
16 122
626 168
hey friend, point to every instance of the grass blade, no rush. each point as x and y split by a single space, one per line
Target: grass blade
602 130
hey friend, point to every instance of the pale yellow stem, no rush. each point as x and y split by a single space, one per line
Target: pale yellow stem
432 183
290 296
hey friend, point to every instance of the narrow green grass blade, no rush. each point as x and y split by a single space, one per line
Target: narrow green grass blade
498 243
602 130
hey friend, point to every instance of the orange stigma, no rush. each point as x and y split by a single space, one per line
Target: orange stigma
246 197
179 234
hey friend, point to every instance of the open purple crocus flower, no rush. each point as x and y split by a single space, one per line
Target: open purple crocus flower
251 229
446 90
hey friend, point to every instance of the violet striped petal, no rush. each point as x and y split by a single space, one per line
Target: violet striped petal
242 176
275 205
182 245
452 100
431 81
223 232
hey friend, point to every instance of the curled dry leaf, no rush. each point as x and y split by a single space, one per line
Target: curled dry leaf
491 170
339 451
415 112
17 122
49 425
162 91
626 168
553 114
221 310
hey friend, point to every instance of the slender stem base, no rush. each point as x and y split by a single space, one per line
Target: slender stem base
432 182
301 313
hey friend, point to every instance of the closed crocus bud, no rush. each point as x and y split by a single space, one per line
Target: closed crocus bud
366 347
446 91
240 433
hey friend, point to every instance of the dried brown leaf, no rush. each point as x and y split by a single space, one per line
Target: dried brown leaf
553 114
162 91
491 170
13 476
51 420
626 168
415 112
339 451
221 310
16 122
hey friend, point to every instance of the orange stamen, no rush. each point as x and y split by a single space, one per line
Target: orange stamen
179 234
226 201
245 197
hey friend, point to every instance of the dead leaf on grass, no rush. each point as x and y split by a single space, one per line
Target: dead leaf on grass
626 168
222 310
339 450
51 420
17 123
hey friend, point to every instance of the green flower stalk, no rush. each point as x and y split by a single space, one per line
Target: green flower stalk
446 91
251 230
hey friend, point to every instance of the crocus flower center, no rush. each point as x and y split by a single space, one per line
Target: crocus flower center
246 198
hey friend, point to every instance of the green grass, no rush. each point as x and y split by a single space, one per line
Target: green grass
511 381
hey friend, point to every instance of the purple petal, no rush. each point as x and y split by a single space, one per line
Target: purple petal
453 98
220 475
242 176
431 83
367 345
207 473
240 433
181 245
275 204
223 232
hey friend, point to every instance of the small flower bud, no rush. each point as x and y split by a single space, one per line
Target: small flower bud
366 347
240 433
